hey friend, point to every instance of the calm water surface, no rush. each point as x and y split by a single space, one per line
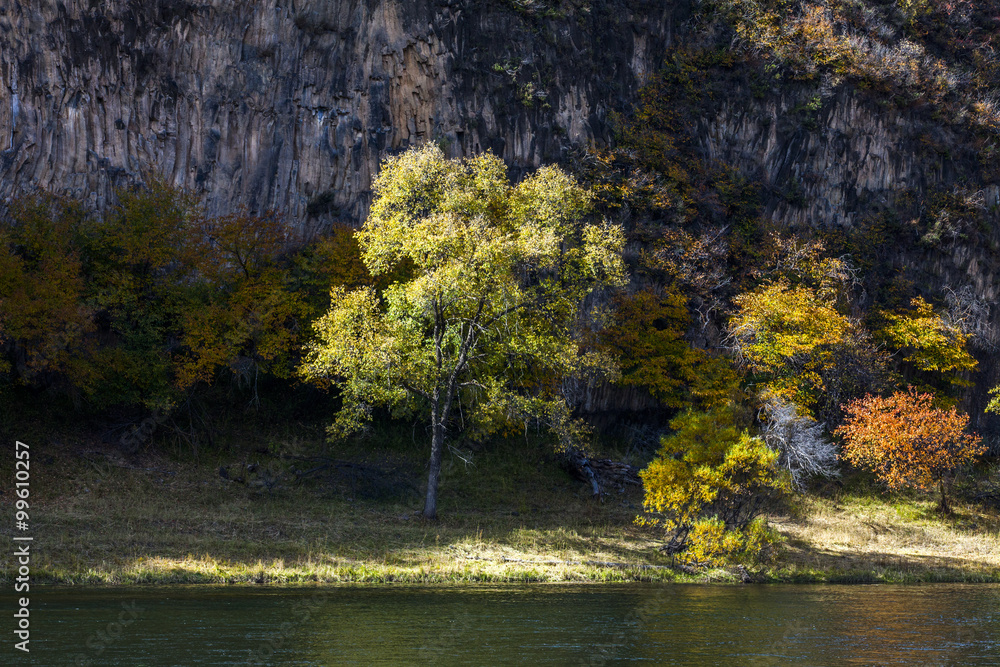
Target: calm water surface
557 625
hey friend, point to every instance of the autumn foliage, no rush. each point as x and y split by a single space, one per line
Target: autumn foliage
709 483
500 273
929 343
152 299
249 316
42 313
907 441
647 339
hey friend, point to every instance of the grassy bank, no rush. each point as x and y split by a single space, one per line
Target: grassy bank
508 515
863 536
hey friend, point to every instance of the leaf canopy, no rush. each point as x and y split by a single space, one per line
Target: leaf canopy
490 312
929 342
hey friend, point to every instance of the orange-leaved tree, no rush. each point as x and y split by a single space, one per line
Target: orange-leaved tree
907 441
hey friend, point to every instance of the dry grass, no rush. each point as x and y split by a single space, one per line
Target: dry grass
898 538
101 518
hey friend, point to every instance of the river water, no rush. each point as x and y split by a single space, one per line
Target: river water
541 624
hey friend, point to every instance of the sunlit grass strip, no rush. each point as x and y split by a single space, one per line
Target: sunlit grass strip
207 570
901 539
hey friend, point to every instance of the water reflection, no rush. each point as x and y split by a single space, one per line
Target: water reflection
586 625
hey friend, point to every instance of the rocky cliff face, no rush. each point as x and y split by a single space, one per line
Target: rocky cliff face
290 104
830 166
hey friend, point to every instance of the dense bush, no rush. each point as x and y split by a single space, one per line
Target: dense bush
647 338
710 470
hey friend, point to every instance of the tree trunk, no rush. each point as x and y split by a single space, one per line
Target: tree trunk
944 501
437 448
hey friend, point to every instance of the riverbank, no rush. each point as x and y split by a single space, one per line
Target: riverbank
102 518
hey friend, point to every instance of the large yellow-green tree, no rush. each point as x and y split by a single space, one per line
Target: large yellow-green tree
489 316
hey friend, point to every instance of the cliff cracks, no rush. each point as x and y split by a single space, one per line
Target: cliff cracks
290 104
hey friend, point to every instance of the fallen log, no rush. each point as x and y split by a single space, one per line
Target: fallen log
600 473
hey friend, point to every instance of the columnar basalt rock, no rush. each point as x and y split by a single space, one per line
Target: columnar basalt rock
290 104
848 154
